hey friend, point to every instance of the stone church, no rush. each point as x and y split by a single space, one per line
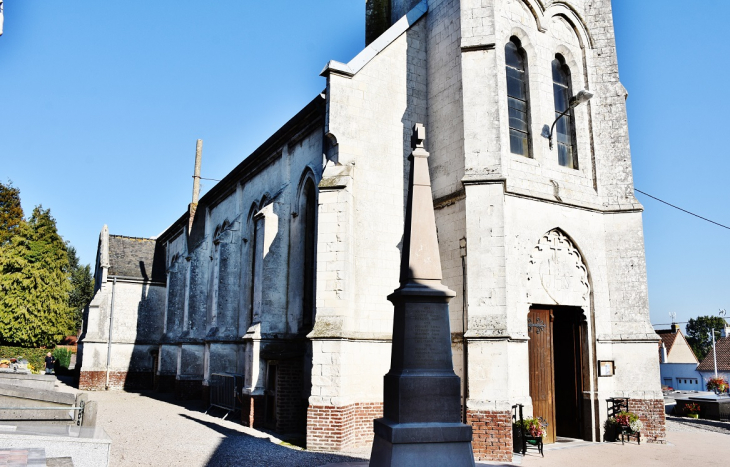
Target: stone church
282 273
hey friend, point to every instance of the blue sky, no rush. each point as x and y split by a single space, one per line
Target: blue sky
101 104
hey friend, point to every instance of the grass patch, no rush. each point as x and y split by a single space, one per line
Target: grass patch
295 442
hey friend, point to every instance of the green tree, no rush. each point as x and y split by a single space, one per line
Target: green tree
698 334
35 284
11 213
82 286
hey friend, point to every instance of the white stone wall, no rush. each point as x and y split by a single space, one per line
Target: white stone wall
370 115
512 202
223 263
445 133
137 326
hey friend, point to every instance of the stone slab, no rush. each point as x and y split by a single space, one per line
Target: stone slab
87 447
35 457
407 433
43 382
421 454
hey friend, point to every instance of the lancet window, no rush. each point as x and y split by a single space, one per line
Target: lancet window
517 98
565 126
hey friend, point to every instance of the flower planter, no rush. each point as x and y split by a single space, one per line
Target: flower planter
693 415
612 433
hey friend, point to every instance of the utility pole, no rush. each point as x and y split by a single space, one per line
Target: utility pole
714 353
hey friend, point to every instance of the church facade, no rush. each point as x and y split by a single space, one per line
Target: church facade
283 273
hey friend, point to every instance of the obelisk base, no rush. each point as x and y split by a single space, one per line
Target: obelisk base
421 445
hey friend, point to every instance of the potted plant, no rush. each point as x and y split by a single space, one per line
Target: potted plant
718 385
692 410
623 423
534 428
529 431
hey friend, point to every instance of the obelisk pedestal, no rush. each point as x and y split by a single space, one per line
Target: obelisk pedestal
421 424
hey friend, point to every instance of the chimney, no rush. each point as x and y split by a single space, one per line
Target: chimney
377 19
382 14
196 183
663 353
725 332
675 328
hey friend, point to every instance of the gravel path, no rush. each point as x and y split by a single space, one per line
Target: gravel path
151 429
686 425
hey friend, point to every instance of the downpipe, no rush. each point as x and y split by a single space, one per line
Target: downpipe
111 326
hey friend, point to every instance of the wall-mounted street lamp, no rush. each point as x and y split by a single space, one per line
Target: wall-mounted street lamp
575 101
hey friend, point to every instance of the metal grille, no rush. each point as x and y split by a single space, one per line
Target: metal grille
224 388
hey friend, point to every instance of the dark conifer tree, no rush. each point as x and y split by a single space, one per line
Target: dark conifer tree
35 284
11 213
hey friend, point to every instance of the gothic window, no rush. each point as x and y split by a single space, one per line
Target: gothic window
256 269
216 279
517 98
309 257
565 127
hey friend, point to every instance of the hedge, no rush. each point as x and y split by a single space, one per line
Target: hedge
35 357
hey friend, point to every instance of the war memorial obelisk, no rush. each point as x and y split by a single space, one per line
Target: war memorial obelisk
421 424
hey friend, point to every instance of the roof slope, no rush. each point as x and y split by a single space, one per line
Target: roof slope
723 357
678 349
668 337
135 258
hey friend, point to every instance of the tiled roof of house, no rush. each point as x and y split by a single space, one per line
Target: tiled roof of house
723 357
668 336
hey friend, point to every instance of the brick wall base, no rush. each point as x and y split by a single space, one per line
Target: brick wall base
332 428
291 407
188 389
252 411
492 439
129 380
651 414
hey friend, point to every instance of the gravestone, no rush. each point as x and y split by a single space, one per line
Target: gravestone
421 424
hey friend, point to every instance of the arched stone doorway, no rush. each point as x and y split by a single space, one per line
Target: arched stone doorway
558 325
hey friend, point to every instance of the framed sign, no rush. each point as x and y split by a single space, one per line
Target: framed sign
606 368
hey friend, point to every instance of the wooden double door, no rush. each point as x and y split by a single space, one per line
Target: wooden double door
557 337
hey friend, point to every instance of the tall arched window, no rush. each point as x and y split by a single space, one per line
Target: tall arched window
565 127
256 268
517 98
309 257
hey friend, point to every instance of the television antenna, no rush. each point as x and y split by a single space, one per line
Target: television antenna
673 316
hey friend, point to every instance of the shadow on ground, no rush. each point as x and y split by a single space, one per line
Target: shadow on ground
238 449
242 449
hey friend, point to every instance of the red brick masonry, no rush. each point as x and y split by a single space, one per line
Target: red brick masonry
651 414
96 380
332 428
492 439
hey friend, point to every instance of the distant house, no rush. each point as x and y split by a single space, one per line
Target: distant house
677 361
707 367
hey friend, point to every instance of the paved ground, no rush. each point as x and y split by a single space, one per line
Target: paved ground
150 429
